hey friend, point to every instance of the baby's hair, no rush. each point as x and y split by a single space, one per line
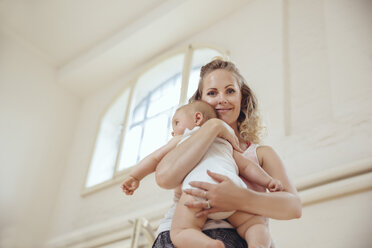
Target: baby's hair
207 110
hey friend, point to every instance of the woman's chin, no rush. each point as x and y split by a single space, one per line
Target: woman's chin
226 118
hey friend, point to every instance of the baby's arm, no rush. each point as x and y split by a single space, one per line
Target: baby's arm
147 165
254 173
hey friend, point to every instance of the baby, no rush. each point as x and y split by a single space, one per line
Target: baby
220 158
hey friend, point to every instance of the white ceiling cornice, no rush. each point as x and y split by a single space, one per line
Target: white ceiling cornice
163 27
61 29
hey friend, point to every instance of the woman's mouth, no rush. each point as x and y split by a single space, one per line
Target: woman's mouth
223 110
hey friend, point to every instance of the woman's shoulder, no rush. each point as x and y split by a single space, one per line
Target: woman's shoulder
264 151
264 148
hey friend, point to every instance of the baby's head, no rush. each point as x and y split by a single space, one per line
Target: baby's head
191 115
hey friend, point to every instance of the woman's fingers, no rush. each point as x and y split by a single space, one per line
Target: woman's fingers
207 186
217 196
195 204
195 192
217 177
205 212
201 206
201 185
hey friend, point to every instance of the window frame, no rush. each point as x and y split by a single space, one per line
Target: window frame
119 175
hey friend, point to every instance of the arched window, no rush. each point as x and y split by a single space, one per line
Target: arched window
139 120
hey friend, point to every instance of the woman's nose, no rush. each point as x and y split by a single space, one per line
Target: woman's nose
222 99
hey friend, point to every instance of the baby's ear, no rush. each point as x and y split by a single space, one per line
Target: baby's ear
198 118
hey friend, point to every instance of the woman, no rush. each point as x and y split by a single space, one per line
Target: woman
223 87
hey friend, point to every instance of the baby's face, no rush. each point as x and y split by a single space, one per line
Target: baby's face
181 120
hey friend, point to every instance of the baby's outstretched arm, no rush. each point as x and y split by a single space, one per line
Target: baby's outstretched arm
254 173
147 166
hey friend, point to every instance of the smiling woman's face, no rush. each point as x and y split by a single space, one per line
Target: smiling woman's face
222 91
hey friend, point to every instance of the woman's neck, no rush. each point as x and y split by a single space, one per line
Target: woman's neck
237 133
242 143
234 126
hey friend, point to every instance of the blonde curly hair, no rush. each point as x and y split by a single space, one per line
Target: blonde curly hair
249 120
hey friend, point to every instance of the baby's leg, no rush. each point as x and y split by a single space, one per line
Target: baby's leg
253 228
186 228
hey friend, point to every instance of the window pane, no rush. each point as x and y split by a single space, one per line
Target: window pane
193 81
107 143
166 96
139 112
131 147
155 133
199 58
156 76
156 94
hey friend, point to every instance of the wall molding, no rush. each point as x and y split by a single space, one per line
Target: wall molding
111 231
335 174
336 189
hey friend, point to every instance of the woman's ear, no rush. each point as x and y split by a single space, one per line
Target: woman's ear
198 118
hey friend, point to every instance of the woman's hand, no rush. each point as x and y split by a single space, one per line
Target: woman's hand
222 197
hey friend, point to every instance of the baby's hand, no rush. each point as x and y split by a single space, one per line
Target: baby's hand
130 185
275 185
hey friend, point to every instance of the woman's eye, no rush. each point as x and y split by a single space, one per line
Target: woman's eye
230 91
211 93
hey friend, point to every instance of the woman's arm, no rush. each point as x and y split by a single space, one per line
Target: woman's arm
175 165
252 171
226 196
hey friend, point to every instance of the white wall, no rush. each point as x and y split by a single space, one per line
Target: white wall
339 222
330 76
37 121
311 63
331 81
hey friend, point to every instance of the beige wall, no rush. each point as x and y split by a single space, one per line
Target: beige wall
338 222
290 53
308 61
37 124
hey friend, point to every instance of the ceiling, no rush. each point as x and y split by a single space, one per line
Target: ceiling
92 42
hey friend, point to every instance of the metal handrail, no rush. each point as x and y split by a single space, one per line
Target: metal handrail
142 225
